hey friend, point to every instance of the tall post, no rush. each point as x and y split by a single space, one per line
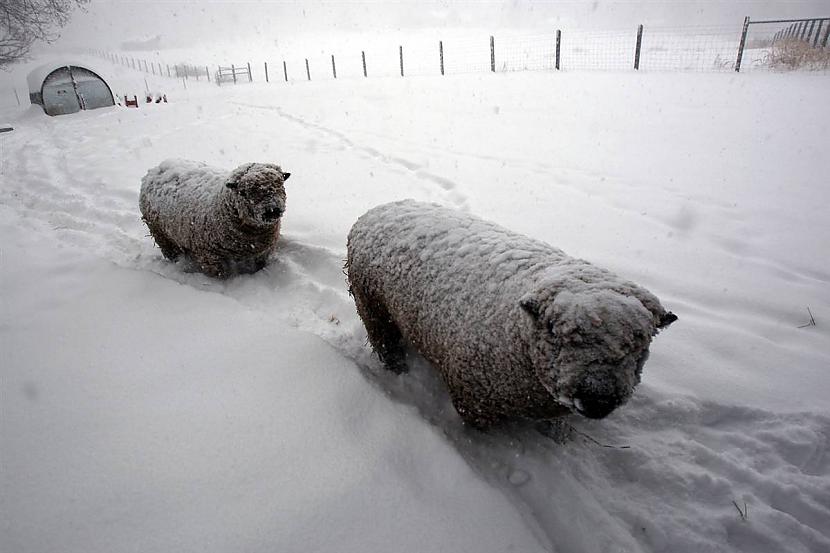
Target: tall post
741 46
266 72
307 70
400 55
558 47
492 54
637 50
826 35
441 54
285 70
233 72
363 57
333 67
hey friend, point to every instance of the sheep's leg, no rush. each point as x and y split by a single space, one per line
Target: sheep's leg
384 335
169 249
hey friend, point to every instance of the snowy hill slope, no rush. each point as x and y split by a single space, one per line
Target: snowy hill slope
148 409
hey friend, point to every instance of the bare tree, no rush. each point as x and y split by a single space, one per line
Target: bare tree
24 22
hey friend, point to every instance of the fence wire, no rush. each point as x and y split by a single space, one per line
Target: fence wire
800 45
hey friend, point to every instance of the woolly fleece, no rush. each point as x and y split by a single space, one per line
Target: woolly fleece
517 328
222 223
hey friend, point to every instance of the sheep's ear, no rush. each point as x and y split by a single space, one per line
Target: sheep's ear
285 176
233 184
531 304
667 319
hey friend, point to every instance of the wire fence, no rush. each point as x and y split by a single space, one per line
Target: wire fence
755 46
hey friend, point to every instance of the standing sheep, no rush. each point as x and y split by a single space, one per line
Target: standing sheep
223 223
517 328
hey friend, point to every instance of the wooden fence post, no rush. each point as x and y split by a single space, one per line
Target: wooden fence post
826 34
168 69
441 54
637 50
207 73
333 67
492 54
285 70
218 75
176 67
804 31
558 47
307 70
250 75
818 33
17 96
742 44
363 57
266 72
400 52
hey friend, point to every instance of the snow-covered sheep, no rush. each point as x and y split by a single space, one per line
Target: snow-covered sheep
222 223
517 328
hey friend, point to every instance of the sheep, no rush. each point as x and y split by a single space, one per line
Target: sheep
516 328
221 223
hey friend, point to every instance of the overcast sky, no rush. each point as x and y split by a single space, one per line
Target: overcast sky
180 23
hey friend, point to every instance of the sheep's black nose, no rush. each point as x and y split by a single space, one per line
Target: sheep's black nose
272 214
596 407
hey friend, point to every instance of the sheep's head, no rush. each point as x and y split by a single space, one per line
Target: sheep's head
257 193
592 344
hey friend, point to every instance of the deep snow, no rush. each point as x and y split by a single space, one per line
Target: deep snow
144 408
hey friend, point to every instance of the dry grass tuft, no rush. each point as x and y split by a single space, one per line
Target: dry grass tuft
791 54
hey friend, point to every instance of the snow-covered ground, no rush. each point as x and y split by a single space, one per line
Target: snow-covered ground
146 409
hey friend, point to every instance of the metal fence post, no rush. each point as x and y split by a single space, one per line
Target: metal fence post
441 54
333 67
400 55
558 47
307 70
741 46
363 57
492 54
637 50
266 72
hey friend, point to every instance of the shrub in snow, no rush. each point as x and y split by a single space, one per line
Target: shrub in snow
222 223
516 327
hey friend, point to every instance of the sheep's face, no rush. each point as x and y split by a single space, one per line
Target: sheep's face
593 345
257 193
